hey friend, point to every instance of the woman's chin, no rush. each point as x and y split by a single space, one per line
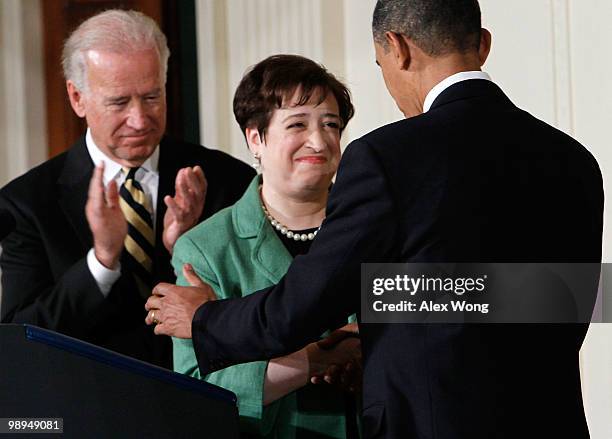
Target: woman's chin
314 184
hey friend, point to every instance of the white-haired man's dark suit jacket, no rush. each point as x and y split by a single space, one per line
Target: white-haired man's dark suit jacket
45 277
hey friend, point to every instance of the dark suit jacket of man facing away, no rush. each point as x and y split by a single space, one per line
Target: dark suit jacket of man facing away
475 179
45 277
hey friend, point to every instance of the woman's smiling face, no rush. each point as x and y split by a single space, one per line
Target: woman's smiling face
300 150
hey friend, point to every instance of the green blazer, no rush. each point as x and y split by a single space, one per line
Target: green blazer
237 252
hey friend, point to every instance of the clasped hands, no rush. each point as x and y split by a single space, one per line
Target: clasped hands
337 359
334 360
109 227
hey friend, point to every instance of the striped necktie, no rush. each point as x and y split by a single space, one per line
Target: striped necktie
140 241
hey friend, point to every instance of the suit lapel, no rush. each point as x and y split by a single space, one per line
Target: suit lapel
167 174
74 185
170 161
268 254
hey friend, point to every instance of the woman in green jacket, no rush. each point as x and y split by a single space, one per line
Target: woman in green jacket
292 112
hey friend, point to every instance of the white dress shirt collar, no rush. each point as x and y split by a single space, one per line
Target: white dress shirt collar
111 168
453 79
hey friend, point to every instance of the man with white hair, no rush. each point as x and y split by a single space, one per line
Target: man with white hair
96 225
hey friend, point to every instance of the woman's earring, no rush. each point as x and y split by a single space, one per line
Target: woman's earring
256 161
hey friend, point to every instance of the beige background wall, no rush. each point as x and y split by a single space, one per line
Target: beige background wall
23 142
22 99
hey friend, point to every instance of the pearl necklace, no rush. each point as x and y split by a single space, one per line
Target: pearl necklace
284 230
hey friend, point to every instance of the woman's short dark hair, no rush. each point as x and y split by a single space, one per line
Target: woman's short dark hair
268 83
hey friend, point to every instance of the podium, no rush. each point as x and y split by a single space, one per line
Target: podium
99 393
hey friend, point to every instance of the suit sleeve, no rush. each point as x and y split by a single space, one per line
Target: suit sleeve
321 289
31 293
245 380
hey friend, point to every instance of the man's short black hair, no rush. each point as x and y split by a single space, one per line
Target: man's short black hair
437 27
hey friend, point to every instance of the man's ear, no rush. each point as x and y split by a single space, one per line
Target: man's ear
400 46
76 98
254 140
485 46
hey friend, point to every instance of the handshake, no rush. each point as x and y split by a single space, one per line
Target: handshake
335 360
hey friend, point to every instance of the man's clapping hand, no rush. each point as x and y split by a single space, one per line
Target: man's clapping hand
106 221
185 208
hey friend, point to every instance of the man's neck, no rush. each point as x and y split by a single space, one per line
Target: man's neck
434 72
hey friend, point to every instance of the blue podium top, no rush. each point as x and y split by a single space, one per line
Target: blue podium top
129 364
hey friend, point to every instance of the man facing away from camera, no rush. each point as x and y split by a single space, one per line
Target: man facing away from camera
95 226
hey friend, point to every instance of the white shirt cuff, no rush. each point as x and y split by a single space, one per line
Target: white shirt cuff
104 277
